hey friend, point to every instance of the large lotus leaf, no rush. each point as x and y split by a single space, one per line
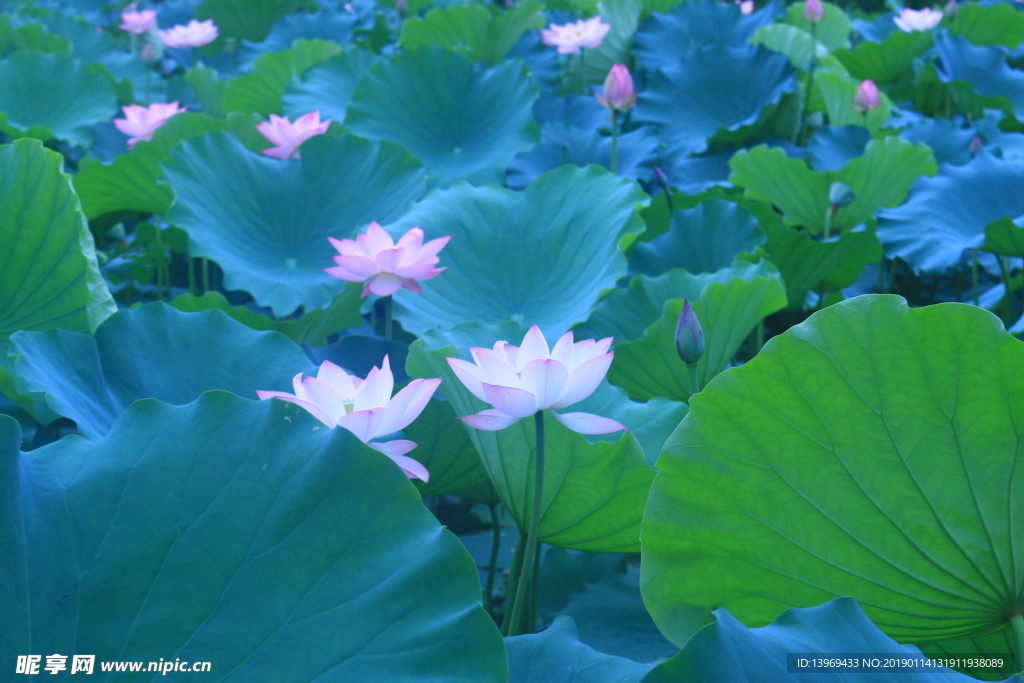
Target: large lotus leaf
538 257
49 278
696 175
260 92
325 25
985 68
327 87
879 178
869 452
187 522
703 239
29 37
557 655
266 221
796 43
593 492
714 88
996 24
726 651
949 213
833 147
1005 237
154 351
665 39
729 305
53 96
1003 642
838 92
562 144
615 48
888 61
444 448
950 143
482 34
313 328
463 121
243 19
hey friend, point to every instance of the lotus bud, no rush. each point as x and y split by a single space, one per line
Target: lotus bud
746 6
618 89
814 11
839 195
866 98
689 335
952 8
660 177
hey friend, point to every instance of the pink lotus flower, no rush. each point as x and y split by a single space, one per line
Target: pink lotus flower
141 122
910 20
814 11
287 136
569 38
618 89
194 34
385 266
866 97
521 380
364 407
746 6
137 23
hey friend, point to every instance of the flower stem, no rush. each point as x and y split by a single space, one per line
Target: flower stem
191 274
513 582
495 546
691 369
159 265
583 72
206 274
1007 303
1017 624
974 278
531 540
802 130
828 222
388 328
615 142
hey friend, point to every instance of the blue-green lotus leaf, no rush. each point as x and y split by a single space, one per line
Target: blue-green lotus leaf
328 86
714 88
154 351
241 533
886 61
703 239
985 68
949 212
557 655
694 175
871 452
950 143
53 96
464 121
91 45
561 144
541 256
832 147
726 651
325 25
578 111
666 39
266 221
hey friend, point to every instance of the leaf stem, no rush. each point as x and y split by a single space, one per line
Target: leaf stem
388 327
583 71
615 142
691 369
1005 304
492 566
802 131
1017 624
206 274
513 582
531 540
974 279
159 264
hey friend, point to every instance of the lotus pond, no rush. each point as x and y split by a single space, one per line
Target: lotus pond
539 340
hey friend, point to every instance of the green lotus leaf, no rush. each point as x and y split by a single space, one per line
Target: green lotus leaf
444 448
185 522
838 92
463 121
1003 641
879 178
623 16
791 41
327 87
726 650
703 239
482 34
29 37
834 30
243 19
48 96
153 351
888 61
729 304
593 492
869 452
558 656
266 221
260 92
537 257
997 24
1005 237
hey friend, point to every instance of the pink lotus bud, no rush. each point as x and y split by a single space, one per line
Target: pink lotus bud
952 7
866 98
660 177
814 11
618 89
746 6
976 146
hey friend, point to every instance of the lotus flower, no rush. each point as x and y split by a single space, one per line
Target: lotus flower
910 20
364 407
569 38
141 122
194 34
618 89
521 380
814 11
746 6
385 266
288 137
866 97
137 23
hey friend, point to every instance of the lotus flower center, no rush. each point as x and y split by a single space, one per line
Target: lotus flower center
349 404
